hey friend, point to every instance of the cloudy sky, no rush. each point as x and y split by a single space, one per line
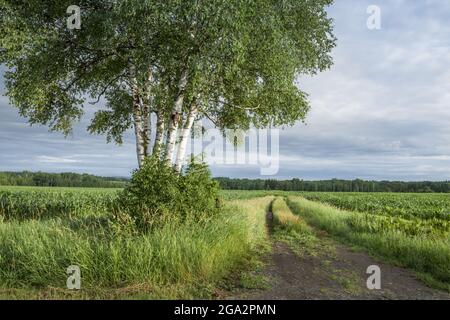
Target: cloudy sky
381 112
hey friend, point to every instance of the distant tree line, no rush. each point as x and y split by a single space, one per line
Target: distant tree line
68 179
334 185
43 179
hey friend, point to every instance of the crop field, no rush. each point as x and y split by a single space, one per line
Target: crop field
413 214
44 230
405 205
21 203
410 230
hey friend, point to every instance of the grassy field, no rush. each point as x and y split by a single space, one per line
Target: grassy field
45 230
72 227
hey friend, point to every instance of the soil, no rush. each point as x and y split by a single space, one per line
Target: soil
337 274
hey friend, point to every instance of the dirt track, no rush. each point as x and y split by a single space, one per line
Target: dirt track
335 273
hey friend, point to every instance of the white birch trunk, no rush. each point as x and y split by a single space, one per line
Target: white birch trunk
138 130
184 137
146 130
137 116
159 134
175 118
146 116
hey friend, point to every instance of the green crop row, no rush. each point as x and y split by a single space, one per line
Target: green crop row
22 203
412 214
405 205
38 203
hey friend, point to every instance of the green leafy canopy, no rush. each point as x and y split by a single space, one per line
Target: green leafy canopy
243 58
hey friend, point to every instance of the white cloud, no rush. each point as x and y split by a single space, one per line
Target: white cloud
51 159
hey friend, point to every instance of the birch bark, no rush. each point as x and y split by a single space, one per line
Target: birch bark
184 137
146 115
160 125
138 126
172 130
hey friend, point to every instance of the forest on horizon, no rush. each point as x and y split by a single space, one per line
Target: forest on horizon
70 179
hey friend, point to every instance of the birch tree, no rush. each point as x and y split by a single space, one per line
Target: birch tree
232 62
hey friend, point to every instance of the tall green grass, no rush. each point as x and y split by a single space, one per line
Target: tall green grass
190 256
429 256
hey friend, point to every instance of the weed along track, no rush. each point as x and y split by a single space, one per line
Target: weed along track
307 263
